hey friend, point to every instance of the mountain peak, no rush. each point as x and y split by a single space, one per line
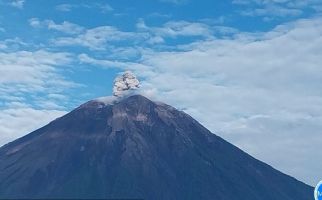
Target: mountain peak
113 100
136 103
138 98
132 147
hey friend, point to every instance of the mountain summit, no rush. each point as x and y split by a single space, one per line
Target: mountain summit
136 148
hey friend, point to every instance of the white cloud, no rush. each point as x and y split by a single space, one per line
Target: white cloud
3 46
65 26
64 7
27 76
84 58
177 28
260 91
103 8
98 38
108 37
35 22
17 3
27 73
12 43
19 120
277 8
181 29
277 76
273 10
27 67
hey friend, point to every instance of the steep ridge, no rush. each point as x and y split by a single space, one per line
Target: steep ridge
136 148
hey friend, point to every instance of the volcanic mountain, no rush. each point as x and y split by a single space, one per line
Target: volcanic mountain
136 148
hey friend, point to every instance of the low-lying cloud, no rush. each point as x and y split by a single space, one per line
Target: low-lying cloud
261 92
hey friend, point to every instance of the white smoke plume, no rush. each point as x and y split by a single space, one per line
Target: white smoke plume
125 83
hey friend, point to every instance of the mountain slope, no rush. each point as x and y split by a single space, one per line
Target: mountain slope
136 148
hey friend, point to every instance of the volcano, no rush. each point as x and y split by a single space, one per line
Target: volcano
136 148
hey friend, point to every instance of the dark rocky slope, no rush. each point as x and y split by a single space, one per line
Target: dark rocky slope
136 148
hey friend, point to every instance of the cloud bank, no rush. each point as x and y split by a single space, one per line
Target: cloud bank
15 122
261 92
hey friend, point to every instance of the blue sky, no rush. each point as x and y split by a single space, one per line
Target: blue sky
249 70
